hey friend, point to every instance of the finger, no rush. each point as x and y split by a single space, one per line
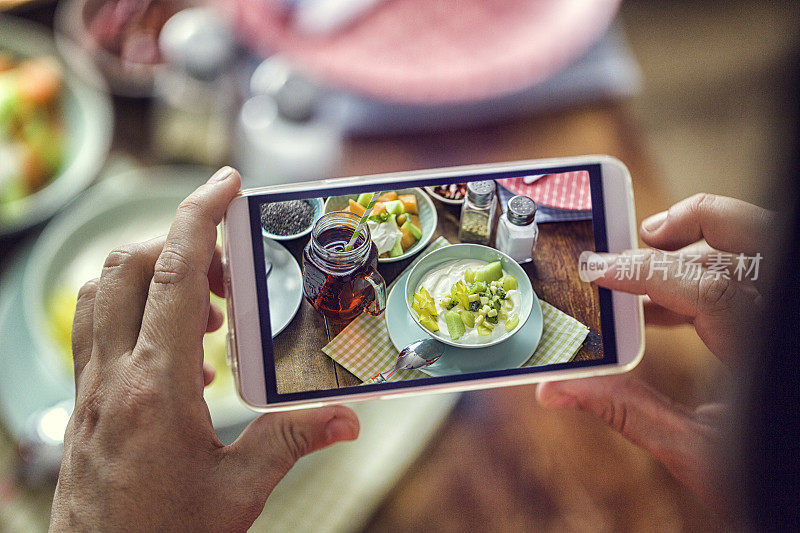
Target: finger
215 318
727 224
646 418
121 297
176 312
82 327
209 373
273 442
656 315
661 276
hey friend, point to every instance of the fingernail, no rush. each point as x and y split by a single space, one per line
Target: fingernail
339 429
221 174
654 222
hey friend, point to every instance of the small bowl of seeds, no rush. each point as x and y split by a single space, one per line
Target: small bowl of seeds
292 219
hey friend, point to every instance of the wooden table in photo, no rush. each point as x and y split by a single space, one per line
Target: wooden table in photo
301 365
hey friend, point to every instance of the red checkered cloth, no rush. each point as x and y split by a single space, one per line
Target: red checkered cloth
435 51
569 190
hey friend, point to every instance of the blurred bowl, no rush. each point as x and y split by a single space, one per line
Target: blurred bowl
318 206
74 37
428 218
128 207
88 122
471 251
439 197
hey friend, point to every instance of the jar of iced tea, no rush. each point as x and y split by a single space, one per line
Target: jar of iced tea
342 284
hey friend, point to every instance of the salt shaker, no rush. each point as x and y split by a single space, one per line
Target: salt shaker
477 213
517 230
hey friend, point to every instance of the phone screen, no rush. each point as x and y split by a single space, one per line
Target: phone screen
342 307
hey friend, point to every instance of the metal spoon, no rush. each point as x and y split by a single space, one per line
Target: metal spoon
416 355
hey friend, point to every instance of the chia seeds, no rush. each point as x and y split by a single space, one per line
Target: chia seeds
287 218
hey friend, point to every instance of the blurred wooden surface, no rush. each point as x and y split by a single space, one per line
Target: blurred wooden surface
300 364
501 462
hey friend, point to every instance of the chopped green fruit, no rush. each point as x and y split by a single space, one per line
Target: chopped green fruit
429 322
474 306
478 287
447 302
484 331
469 276
415 231
512 322
502 315
467 318
491 272
491 319
416 306
364 198
395 207
509 283
508 305
455 326
397 250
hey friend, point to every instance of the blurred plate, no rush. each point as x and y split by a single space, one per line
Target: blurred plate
284 285
129 207
424 51
88 120
427 217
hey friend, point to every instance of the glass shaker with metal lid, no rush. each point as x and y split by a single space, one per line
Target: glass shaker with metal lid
477 213
517 231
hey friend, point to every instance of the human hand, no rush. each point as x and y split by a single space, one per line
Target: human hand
683 440
140 452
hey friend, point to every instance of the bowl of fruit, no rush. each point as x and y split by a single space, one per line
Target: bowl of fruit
468 295
402 222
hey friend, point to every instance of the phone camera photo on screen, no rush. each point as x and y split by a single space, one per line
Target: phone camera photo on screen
378 285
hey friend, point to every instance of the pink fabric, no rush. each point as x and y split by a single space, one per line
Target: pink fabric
569 190
433 51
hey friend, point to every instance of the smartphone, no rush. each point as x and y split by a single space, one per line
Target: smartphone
314 321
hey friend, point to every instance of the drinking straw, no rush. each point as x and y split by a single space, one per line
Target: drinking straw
363 222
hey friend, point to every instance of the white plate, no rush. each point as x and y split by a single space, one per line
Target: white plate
284 285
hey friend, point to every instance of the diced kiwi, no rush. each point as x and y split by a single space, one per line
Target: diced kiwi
478 287
455 326
364 198
490 272
512 322
509 283
412 228
467 318
429 322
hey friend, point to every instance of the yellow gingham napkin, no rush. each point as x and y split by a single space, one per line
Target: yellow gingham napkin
365 349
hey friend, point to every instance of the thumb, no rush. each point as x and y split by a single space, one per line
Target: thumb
644 416
272 443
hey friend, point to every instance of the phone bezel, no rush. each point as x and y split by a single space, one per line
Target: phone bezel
245 330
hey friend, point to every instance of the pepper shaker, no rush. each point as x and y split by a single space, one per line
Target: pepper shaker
517 231
477 213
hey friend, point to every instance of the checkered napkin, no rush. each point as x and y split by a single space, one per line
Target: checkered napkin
544 214
365 349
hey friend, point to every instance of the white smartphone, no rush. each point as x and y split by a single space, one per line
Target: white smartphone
313 321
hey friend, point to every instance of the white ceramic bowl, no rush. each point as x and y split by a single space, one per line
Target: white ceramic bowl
471 251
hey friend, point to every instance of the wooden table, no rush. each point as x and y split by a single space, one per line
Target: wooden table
301 365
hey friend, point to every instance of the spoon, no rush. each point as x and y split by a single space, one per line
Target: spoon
416 355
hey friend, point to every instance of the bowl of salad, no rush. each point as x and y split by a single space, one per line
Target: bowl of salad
402 222
55 130
469 295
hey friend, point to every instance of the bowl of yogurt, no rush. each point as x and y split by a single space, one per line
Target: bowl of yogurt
469 295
